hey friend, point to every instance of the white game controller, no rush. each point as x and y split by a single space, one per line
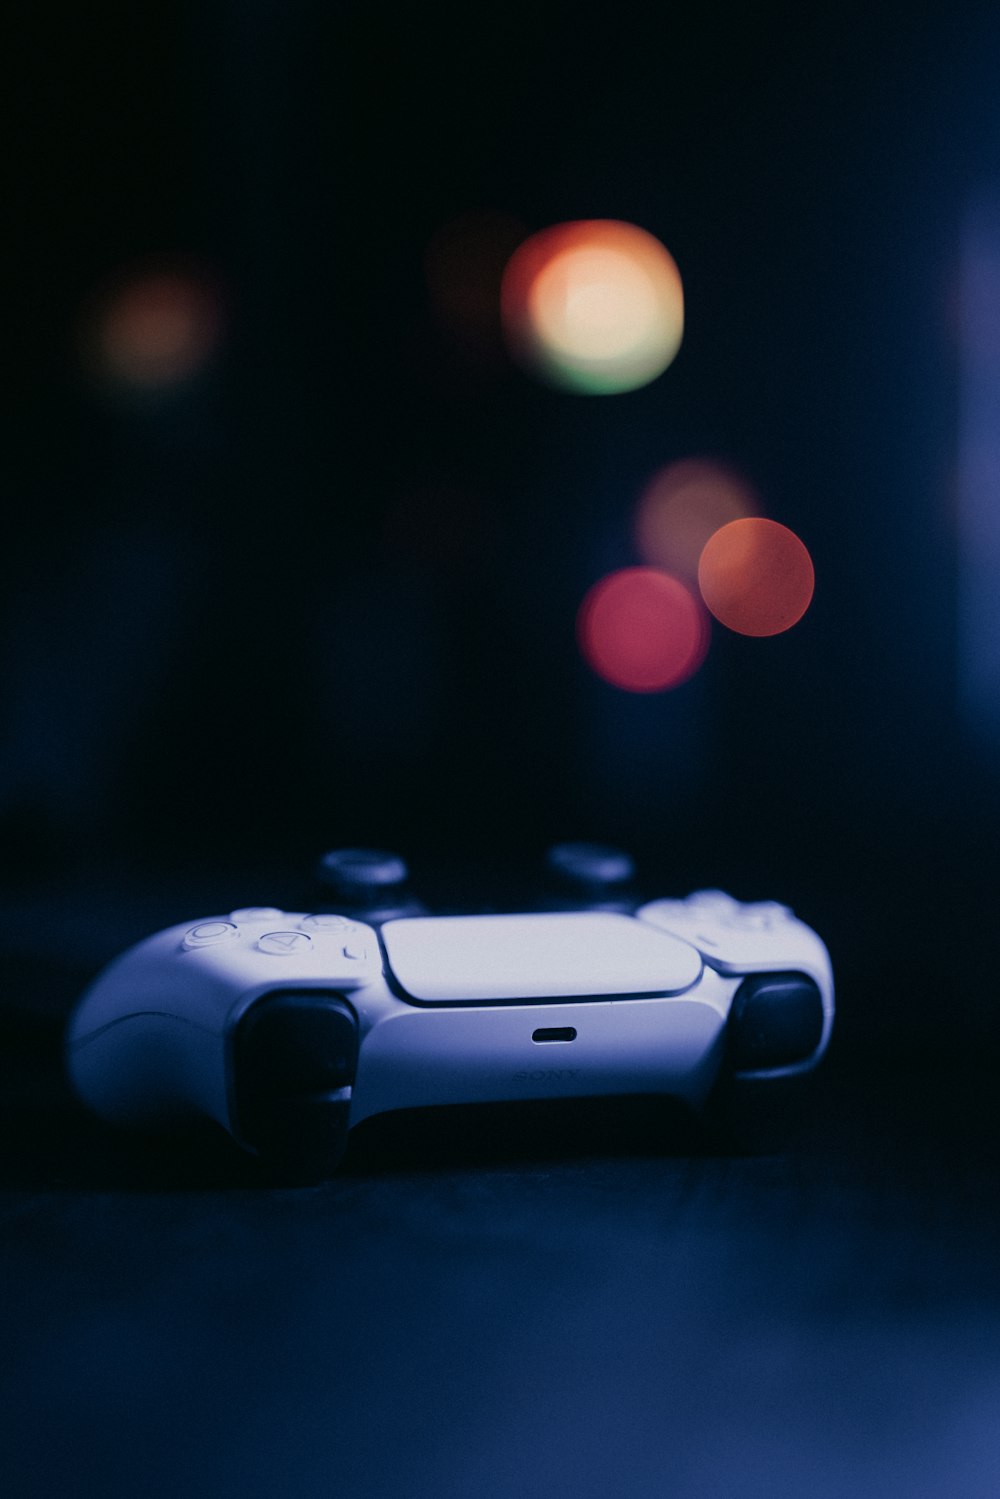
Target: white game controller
290 1028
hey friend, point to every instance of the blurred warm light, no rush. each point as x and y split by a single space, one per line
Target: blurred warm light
756 576
682 506
464 264
595 306
642 630
153 329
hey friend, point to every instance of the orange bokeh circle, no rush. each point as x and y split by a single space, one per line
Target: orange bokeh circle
158 329
642 630
756 576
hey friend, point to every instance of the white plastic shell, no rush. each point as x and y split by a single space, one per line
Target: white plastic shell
150 1039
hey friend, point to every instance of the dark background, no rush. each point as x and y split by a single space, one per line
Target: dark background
324 593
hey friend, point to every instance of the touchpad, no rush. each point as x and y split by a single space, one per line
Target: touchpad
563 955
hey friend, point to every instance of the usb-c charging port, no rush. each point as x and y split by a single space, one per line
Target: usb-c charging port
555 1033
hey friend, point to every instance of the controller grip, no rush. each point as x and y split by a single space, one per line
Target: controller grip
294 1057
764 1089
776 1020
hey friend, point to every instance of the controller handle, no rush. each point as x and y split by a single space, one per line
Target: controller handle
294 1060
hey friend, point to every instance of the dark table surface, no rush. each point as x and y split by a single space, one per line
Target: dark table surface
581 1301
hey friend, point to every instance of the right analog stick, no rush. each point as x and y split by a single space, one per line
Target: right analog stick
589 868
361 876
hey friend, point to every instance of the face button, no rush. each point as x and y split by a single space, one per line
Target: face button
209 933
356 951
325 922
711 900
281 944
758 916
769 911
250 915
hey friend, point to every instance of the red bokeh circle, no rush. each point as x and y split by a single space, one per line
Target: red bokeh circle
642 630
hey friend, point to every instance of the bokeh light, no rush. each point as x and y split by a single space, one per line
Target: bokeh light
682 506
642 630
756 576
152 328
595 306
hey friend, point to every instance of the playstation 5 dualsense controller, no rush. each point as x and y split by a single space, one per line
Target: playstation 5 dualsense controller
291 1027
